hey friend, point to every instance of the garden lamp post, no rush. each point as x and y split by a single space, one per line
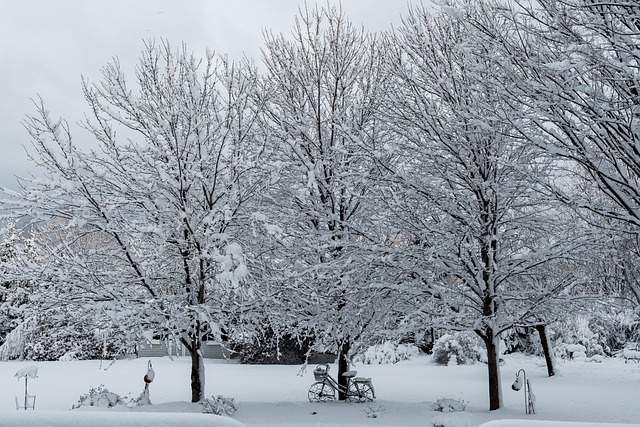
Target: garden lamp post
529 397
148 379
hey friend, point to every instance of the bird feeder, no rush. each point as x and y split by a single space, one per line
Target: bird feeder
29 400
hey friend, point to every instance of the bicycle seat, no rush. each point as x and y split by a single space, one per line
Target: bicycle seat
350 374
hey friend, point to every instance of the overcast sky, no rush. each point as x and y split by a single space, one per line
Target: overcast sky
47 45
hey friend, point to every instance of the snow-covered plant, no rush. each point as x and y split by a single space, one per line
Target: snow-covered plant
459 348
387 352
446 404
374 412
601 331
480 232
148 224
521 340
578 55
219 405
54 337
15 342
615 330
14 291
324 91
99 396
267 347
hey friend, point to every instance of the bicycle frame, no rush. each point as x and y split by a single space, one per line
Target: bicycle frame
329 380
358 389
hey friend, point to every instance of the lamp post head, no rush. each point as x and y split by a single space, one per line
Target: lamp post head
517 384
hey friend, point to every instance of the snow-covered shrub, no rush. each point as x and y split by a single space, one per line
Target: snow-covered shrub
219 405
14 343
614 330
99 396
51 340
373 412
576 351
521 340
448 405
602 333
271 349
387 353
460 348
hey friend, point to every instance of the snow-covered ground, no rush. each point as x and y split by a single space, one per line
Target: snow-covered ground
584 392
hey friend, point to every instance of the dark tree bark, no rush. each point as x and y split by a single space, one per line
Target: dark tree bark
493 363
343 366
194 345
546 348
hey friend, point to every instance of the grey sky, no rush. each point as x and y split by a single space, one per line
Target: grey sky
47 45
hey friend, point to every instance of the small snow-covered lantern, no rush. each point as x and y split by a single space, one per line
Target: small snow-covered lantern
517 384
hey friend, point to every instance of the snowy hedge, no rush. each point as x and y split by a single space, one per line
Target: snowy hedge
460 348
387 353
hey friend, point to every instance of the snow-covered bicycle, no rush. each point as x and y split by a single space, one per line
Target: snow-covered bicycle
358 389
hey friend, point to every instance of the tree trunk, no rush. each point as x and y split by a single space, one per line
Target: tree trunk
197 372
492 344
546 348
193 343
343 366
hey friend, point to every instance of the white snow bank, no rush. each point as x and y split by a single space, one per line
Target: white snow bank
110 419
539 423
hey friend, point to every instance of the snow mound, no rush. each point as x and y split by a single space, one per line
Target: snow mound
539 423
110 419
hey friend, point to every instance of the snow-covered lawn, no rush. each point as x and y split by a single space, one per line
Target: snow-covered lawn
607 392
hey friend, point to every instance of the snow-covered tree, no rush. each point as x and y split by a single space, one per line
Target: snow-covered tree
322 91
477 231
574 71
162 193
46 325
571 67
13 293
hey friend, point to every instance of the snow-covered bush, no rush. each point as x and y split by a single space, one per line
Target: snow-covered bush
14 343
460 348
99 396
219 405
52 339
448 405
271 349
614 330
386 353
602 333
521 340
374 412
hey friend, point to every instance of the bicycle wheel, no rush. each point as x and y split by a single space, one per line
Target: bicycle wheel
360 392
321 392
